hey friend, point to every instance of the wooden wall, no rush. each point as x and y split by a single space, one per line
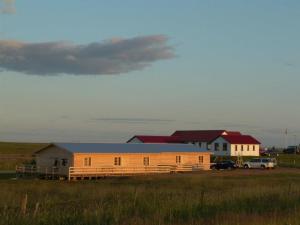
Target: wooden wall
45 159
137 159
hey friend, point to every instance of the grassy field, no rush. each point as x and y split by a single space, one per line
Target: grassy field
248 197
12 154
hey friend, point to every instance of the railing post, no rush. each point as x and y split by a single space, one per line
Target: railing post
69 176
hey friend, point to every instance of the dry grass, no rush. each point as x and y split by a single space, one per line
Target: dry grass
224 198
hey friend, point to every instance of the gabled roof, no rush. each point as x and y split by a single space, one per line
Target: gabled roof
240 139
233 133
155 139
197 135
124 148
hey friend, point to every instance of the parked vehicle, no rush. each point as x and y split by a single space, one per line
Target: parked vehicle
263 163
269 152
291 150
226 164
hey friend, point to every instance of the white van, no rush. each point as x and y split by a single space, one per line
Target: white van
263 163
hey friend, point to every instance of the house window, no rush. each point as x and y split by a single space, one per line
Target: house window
178 159
224 146
253 147
117 161
87 161
64 162
216 146
208 146
248 148
200 159
235 147
242 147
199 144
146 161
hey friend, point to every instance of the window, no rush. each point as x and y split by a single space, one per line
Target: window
253 147
255 160
224 146
242 147
56 162
199 144
247 147
146 161
235 147
117 161
208 146
178 159
87 161
216 146
266 160
64 162
200 159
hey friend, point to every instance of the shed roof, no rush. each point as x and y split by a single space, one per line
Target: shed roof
126 148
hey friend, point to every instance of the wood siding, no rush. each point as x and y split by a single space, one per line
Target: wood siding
45 160
137 159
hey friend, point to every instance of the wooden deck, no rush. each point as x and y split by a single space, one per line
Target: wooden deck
80 173
96 172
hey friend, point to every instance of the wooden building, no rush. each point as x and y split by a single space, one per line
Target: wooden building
94 160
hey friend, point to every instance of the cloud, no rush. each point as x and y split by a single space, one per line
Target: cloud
133 120
7 7
113 56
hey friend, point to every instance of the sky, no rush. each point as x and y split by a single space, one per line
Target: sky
103 71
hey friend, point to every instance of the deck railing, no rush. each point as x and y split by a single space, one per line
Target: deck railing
34 170
119 170
82 172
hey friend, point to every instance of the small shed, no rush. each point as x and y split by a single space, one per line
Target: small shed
104 159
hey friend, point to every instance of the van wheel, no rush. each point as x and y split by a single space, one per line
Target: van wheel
263 166
246 166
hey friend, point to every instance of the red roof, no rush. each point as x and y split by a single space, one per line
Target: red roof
233 133
197 135
240 139
155 139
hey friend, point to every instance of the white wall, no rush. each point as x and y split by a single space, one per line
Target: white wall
220 152
236 150
231 149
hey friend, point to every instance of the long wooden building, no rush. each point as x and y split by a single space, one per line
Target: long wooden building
92 160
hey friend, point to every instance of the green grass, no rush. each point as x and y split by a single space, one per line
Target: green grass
20 148
210 198
288 160
12 154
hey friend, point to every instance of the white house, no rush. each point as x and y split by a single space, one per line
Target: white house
235 145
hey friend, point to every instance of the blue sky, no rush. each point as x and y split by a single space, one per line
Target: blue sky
236 66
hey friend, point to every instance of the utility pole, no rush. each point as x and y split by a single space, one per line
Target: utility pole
296 148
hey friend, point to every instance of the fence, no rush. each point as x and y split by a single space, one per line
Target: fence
90 172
